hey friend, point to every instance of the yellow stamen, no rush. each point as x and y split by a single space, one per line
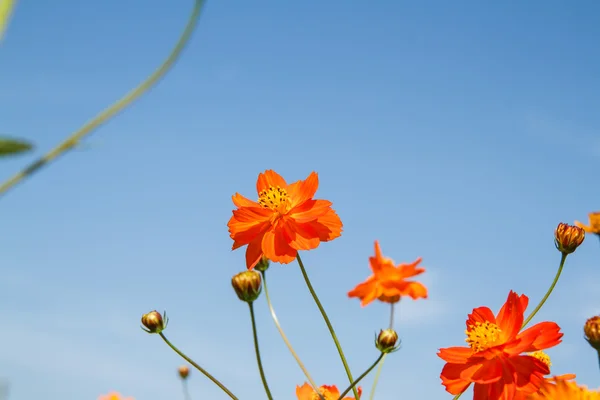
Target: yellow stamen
327 395
275 198
482 336
543 357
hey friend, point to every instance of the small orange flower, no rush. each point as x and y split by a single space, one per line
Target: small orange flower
285 219
594 226
306 392
388 282
114 396
494 360
563 388
568 237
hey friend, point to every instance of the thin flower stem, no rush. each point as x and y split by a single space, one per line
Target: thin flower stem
258 360
539 306
376 379
6 9
381 355
392 315
72 141
199 368
186 392
458 395
285 339
329 326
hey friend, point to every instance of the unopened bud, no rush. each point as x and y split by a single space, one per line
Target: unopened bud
184 371
592 332
262 265
154 322
568 237
386 341
247 285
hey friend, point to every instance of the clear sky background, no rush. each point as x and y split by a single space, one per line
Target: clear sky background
462 132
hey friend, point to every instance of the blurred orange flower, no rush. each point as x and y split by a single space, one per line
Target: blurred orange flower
388 282
114 396
306 392
594 226
562 388
494 359
285 219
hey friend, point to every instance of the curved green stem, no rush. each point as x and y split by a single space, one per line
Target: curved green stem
329 326
376 379
258 360
539 306
457 396
118 106
284 337
199 368
381 356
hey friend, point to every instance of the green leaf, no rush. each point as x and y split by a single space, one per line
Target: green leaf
9 146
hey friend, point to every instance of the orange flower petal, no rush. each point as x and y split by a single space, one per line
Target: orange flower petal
456 355
510 318
305 190
269 178
276 247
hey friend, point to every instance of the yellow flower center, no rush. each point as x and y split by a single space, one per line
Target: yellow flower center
543 357
274 198
326 393
482 336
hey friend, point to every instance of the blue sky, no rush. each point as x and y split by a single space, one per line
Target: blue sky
462 132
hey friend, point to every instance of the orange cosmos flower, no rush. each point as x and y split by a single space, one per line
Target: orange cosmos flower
388 282
114 396
494 359
285 219
562 388
594 226
306 392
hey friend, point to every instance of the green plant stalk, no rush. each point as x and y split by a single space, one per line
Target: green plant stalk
115 108
6 9
285 339
329 326
376 379
556 277
392 315
199 368
258 360
458 395
381 356
186 392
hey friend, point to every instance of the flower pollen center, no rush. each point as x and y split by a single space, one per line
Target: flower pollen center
543 357
274 198
326 393
482 336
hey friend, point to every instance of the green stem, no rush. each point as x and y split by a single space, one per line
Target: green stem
118 106
362 376
329 326
258 360
458 395
539 306
186 392
285 339
376 379
392 316
199 368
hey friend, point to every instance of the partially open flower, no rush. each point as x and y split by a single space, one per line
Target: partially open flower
184 371
154 322
568 237
592 332
263 264
387 340
247 285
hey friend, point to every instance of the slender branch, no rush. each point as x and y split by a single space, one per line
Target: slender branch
556 277
115 108
199 368
392 315
285 339
381 356
186 392
258 360
329 326
376 379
